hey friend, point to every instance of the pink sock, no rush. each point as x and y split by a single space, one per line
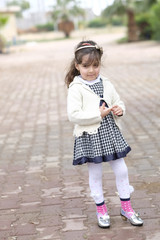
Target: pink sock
102 209
126 206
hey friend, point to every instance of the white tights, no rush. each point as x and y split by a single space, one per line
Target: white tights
95 179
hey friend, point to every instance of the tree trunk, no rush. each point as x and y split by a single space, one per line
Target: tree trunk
2 44
66 27
132 27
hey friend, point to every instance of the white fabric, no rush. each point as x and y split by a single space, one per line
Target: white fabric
89 82
95 181
122 182
83 105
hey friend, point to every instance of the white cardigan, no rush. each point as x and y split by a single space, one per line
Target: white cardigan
83 105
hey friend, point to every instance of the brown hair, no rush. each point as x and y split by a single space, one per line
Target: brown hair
83 48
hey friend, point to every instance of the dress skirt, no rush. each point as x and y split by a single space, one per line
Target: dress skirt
105 145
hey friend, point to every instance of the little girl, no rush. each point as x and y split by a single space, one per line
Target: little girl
95 108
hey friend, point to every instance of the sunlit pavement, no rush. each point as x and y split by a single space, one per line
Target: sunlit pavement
42 195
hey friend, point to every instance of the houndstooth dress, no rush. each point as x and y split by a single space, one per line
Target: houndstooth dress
106 145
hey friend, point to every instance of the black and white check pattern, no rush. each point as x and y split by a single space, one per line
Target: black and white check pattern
108 141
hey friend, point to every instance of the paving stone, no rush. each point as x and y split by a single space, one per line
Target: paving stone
73 211
51 201
43 196
154 236
73 203
33 237
102 236
48 233
24 229
5 224
73 225
51 210
74 222
76 235
9 203
49 221
129 234
71 192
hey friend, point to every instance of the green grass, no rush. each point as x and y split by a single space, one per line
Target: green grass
122 40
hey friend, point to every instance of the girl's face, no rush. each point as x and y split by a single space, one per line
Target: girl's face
88 71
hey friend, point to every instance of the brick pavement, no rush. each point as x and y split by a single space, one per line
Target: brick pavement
42 195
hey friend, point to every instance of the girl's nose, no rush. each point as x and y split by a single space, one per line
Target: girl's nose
90 69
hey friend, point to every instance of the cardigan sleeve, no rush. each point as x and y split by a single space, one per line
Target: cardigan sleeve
116 100
75 111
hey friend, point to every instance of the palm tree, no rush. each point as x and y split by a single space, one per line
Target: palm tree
122 7
148 3
62 13
129 7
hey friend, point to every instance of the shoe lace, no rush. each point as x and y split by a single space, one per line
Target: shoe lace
102 209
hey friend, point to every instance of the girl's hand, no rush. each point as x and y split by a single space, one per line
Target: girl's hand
104 110
117 110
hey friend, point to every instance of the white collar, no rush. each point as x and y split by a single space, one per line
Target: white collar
89 82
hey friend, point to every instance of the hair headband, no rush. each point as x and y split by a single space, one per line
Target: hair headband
87 45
